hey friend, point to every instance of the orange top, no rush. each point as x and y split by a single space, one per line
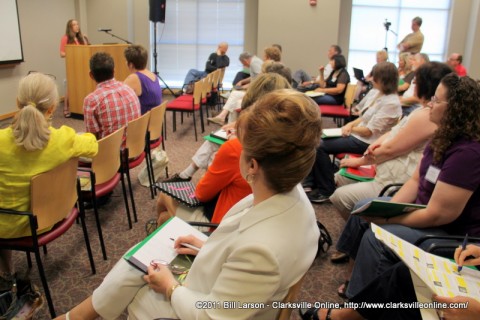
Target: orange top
223 176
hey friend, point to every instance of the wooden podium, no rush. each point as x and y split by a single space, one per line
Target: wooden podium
77 60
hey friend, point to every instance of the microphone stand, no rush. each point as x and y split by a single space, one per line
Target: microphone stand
115 36
155 59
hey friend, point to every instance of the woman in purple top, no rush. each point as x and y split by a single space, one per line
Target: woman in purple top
142 81
447 181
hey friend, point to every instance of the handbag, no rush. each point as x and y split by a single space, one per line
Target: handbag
20 302
159 162
324 241
308 87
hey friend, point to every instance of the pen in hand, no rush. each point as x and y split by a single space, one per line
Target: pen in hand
187 245
464 246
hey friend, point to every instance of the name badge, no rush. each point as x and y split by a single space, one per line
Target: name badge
432 174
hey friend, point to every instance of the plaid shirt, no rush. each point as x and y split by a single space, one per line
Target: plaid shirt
110 107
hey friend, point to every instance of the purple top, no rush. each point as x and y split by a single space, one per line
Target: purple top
151 92
461 168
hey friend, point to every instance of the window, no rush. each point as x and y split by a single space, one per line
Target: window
368 33
192 31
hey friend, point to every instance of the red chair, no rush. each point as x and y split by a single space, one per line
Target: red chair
53 197
154 138
189 104
104 175
340 113
134 153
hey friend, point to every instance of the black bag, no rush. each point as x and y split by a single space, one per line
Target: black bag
308 87
22 293
324 241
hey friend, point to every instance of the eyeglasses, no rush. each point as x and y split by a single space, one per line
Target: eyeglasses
434 99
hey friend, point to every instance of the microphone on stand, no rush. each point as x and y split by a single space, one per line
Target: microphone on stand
104 30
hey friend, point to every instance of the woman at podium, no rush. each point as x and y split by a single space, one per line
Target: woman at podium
73 35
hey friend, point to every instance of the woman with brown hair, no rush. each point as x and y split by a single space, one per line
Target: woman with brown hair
447 181
380 113
246 259
73 35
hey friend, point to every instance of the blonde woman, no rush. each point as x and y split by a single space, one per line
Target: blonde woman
31 146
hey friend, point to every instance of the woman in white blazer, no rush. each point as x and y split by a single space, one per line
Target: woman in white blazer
263 245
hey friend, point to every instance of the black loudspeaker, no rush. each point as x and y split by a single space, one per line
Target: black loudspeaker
157 10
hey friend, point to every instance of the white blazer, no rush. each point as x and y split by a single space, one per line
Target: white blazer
252 257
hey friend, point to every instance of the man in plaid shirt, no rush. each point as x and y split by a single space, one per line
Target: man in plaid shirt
113 104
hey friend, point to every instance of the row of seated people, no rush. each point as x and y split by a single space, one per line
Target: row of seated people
245 258
32 146
445 179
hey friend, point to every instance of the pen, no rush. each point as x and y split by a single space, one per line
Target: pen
187 245
464 246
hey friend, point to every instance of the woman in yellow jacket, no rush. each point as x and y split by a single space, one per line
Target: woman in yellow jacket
29 147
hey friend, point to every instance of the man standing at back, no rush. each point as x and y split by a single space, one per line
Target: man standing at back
216 60
413 42
113 104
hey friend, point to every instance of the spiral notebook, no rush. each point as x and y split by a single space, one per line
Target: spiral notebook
183 191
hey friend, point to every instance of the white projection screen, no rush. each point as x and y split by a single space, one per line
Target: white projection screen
11 47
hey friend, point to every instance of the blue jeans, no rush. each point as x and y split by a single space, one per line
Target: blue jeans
327 99
371 256
323 171
194 75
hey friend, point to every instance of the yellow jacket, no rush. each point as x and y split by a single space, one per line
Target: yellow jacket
18 166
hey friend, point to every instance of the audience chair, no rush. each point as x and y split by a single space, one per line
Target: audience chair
153 140
292 294
444 245
104 175
53 198
189 104
340 114
134 153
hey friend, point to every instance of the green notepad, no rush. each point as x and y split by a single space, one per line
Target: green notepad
159 246
386 209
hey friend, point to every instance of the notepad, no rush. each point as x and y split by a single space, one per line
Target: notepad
362 173
439 274
313 94
159 246
220 134
183 191
386 209
331 133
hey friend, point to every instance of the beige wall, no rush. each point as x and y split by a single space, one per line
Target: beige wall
42 24
305 32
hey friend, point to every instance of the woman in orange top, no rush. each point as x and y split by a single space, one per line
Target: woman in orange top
222 179
73 35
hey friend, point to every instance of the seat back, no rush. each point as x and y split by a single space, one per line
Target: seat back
284 314
157 115
198 92
107 161
136 132
216 78
54 193
350 95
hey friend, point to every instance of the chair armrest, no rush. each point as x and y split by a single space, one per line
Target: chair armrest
31 217
394 186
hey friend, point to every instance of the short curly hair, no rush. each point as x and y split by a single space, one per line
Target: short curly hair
462 116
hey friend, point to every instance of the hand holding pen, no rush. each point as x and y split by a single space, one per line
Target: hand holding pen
187 244
463 257
462 248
